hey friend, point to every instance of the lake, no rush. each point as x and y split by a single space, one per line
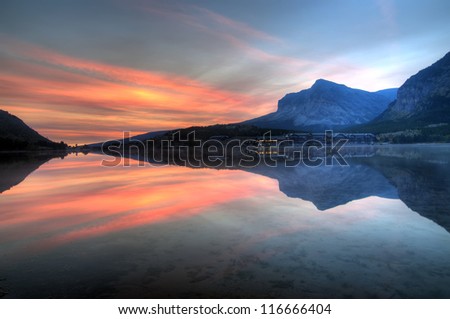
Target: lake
378 228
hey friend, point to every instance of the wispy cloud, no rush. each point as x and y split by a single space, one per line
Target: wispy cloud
235 33
236 26
115 98
206 19
156 65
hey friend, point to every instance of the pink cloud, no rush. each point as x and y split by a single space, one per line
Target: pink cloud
72 91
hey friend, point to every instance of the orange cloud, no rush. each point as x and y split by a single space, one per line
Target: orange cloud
75 93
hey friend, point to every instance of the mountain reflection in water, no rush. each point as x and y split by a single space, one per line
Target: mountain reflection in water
75 229
420 177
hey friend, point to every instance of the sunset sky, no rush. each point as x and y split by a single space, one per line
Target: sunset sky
84 71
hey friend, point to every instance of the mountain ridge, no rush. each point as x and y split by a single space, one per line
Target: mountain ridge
422 104
16 135
325 105
416 94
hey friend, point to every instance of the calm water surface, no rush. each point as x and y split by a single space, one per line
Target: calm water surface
378 228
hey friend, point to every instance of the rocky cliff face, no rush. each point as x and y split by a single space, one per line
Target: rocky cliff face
426 92
326 105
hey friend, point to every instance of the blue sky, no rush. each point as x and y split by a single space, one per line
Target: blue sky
161 64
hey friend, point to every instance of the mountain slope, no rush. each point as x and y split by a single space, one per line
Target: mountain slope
422 101
325 105
140 137
428 90
16 135
203 133
390 94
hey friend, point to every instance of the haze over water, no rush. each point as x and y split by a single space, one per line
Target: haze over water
378 228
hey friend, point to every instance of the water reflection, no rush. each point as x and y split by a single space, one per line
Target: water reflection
15 167
77 198
419 176
329 186
76 229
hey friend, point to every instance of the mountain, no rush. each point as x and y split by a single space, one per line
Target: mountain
423 101
390 94
326 105
141 137
16 135
203 133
